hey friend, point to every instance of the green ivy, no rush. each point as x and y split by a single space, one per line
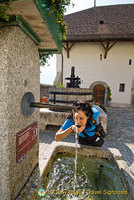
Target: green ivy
44 59
59 85
109 93
4 7
103 108
58 7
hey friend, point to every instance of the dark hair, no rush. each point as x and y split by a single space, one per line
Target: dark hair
86 108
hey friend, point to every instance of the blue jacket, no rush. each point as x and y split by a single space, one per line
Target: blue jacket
88 129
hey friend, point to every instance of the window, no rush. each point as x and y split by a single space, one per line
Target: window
122 87
130 62
101 22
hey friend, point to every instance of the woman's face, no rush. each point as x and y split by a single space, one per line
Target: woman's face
80 118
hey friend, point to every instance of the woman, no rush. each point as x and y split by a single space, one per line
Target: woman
83 121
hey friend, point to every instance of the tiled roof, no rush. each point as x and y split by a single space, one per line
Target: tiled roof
100 23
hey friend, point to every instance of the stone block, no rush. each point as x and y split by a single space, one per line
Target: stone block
19 73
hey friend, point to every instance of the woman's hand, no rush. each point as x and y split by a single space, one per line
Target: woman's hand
77 129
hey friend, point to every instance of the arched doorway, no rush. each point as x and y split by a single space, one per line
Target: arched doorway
98 94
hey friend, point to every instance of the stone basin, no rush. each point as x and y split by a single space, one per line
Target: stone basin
42 171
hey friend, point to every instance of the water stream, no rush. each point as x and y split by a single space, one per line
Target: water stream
96 179
75 161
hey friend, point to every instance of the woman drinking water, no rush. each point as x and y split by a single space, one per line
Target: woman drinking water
84 121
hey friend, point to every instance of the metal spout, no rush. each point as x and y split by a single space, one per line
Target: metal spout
47 105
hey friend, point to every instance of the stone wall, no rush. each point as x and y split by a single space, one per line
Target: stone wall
44 90
19 73
4 151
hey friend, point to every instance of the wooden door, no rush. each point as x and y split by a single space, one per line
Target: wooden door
98 94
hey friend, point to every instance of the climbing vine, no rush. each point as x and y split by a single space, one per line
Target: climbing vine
4 7
57 7
44 59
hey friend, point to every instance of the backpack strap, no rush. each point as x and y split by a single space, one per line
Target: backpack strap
90 139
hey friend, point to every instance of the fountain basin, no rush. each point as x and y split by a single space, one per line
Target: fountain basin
41 174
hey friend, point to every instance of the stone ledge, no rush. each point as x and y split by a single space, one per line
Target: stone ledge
116 153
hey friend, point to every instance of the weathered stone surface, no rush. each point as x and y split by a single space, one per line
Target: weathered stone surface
19 73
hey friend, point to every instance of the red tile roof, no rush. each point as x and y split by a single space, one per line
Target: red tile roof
100 23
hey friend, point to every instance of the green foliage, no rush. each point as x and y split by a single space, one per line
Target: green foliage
59 85
4 7
44 59
58 7
103 108
109 93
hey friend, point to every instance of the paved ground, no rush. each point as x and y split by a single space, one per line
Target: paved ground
120 135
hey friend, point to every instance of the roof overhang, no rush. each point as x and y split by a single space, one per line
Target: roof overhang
32 16
97 38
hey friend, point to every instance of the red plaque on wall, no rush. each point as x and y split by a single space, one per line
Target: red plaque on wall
26 139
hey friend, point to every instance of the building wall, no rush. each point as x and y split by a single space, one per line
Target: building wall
19 73
113 70
4 152
44 90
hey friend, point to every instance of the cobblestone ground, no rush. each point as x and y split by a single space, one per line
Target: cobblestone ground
120 134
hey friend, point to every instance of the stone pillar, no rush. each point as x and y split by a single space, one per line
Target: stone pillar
19 73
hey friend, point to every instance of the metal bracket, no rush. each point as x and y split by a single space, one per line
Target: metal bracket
27 99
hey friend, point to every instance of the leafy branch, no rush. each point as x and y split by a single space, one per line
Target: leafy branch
44 59
4 7
58 8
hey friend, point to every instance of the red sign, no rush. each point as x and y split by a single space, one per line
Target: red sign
26 139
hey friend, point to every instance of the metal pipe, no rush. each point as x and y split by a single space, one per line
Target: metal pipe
46 105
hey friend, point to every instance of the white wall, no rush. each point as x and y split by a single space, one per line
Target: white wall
113 70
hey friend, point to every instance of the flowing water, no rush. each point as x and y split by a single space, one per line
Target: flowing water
76 152
97 179
75 161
